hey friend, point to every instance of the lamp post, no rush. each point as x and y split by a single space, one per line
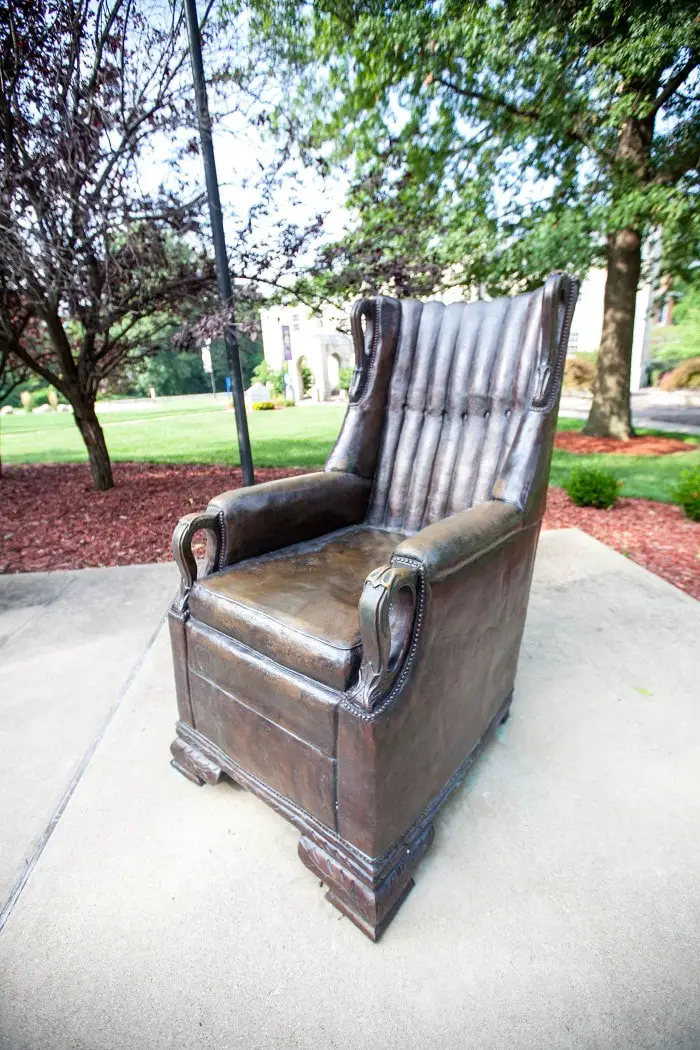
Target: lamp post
223 277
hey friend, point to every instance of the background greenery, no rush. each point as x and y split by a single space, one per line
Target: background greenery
681 339
189 432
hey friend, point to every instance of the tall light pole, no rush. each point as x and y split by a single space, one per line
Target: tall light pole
223 277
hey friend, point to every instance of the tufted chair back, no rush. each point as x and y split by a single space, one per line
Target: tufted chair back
453 405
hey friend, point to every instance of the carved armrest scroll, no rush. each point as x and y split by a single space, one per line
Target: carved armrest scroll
388 611
185 531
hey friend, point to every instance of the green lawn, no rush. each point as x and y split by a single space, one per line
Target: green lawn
296 437
191 433
646 477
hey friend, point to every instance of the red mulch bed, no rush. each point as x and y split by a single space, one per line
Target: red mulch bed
582 444
52 519
655 535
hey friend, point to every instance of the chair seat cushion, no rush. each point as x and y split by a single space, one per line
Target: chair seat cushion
298 606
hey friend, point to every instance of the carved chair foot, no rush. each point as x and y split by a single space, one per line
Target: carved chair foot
193 764
369 896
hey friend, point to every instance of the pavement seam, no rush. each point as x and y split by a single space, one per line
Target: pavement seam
40 609
22 881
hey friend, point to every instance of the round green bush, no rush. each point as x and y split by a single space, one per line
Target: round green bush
264 406
593 487
687 493
345 378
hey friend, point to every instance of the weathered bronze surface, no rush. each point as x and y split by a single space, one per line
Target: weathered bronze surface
352 636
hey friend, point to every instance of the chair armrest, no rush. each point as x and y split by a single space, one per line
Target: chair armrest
182 548
450 544
263 518
391 607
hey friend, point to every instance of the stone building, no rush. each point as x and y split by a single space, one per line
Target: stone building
323 343
291 335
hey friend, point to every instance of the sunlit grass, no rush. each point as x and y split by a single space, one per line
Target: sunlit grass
300 437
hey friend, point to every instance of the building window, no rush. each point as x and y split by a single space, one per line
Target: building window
295 322
286 343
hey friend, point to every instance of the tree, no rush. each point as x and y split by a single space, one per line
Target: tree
88 257
11 376
101 264
506 139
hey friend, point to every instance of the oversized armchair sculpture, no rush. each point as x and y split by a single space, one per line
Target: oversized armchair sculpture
353 635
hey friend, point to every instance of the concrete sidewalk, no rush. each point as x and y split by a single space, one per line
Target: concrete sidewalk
70 643
558 908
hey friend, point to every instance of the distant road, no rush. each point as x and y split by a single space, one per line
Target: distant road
651 410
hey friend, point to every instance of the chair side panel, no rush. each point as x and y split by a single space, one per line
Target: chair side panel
285 763
297 704
177 621
390 767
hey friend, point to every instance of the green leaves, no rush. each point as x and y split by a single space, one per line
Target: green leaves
494 141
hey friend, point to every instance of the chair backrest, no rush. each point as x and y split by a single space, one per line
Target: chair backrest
454 384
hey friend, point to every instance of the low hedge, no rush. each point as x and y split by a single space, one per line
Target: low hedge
685 376
592 487
687 493
580 373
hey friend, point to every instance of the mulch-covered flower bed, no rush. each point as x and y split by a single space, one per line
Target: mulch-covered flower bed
582 444
655 535
52 519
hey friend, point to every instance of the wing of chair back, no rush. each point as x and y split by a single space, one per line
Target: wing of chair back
525 474
357 447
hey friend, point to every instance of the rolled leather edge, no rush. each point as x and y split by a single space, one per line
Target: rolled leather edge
450 544
263 518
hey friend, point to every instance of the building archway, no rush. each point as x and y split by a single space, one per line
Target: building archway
334 367
305 377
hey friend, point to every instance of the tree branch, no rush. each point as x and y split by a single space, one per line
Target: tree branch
533 115
672 85
493 100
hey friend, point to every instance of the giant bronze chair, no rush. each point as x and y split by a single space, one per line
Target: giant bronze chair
353 636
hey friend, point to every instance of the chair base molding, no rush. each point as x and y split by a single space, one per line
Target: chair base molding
368 890
371 905
194 765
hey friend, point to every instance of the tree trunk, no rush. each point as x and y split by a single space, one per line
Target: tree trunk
89 426
610 414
